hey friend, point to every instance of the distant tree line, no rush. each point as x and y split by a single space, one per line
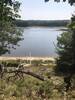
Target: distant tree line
52 23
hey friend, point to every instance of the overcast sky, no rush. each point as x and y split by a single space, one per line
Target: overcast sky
39 10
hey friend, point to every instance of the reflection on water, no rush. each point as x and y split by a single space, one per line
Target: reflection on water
38 41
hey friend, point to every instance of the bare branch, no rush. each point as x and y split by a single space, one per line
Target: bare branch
18 72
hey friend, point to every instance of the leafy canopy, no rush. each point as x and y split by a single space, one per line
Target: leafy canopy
66 50
10 35
71 2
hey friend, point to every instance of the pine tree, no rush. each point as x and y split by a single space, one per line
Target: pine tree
65 63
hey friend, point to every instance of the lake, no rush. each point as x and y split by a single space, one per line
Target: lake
38 42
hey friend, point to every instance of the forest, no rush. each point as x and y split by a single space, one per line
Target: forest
50 23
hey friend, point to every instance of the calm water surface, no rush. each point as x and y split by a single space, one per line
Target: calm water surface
38 41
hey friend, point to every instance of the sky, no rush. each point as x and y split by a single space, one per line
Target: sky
39 10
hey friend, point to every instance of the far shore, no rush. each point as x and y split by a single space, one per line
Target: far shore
26 58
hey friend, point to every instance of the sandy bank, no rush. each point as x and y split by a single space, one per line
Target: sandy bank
27 58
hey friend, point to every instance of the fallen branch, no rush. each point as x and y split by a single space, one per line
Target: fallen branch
28 73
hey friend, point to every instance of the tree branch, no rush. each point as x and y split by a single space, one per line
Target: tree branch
28 73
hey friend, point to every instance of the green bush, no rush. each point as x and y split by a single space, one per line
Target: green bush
45 89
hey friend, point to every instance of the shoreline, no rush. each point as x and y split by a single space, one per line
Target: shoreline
26 58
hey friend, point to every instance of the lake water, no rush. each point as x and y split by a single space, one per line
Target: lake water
38 41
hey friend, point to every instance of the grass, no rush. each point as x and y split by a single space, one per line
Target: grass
30 88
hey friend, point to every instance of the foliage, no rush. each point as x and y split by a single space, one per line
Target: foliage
9 33
30 88
71 2
63 50
26 23
66 51
45 89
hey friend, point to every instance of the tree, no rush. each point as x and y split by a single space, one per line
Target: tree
8 2
71 2
66 51
10 35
